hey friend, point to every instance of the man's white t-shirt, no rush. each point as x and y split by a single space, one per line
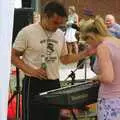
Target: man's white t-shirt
35 42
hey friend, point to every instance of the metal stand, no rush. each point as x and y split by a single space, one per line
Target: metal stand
72 75
17 95
85 68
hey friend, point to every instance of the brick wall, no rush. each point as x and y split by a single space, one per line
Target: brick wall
101 7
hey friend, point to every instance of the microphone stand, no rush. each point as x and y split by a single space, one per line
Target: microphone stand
72 75
85 70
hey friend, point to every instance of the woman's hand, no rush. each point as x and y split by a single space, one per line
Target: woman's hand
90 52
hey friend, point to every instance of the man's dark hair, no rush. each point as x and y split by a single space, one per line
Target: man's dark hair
54 7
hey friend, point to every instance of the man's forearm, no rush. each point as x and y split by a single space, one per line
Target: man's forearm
67 59
19 63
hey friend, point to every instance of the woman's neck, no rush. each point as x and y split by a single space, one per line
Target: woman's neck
99 38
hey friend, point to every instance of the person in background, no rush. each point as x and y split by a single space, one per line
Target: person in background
36 17
106 67
89 14
113 27
38 50
73 16
72 27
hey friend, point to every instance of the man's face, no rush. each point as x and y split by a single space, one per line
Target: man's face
109 21
54 22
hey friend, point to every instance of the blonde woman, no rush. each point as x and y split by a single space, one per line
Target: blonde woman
106 66
72 24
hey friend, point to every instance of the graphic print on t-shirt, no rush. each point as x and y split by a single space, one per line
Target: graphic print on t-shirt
51 53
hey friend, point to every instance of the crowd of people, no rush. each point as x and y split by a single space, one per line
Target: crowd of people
44 41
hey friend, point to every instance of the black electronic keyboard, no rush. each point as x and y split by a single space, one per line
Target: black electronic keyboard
78 95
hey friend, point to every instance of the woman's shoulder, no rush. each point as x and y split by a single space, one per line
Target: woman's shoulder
112 40
75 15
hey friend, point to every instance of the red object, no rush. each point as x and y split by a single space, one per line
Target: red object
12 108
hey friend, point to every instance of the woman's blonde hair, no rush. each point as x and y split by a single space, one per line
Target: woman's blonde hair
95 25
72 8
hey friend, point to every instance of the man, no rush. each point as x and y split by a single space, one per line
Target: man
113 27
34 43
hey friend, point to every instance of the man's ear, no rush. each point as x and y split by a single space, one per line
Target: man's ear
44 15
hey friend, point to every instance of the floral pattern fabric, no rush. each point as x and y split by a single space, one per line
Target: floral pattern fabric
108 109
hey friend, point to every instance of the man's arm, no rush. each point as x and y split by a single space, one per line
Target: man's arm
19 63
67 59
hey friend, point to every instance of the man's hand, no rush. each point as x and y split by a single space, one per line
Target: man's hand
38 73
